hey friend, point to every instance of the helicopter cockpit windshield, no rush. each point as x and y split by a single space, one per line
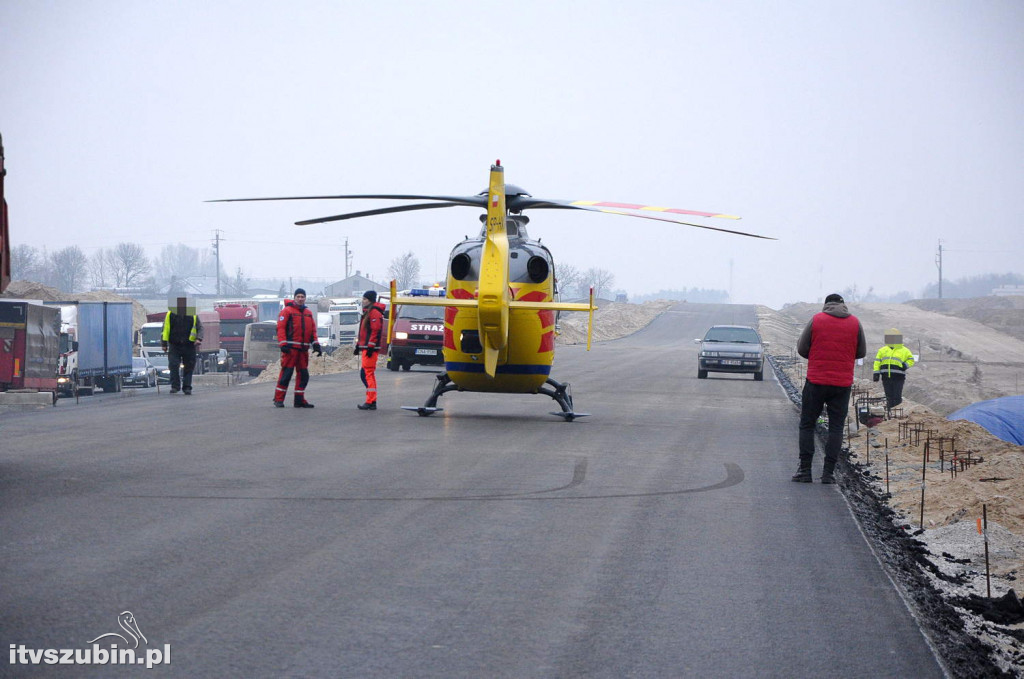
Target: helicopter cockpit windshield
515 227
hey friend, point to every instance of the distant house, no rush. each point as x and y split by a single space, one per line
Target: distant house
353 286
1008 290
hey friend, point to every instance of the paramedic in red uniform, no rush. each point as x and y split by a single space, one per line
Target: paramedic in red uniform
371 330
296 333
832 342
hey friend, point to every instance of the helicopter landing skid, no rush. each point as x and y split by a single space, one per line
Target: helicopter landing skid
422 411
444 385
560 393
563 398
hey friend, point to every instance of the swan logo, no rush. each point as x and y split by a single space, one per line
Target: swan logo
127 622
123 649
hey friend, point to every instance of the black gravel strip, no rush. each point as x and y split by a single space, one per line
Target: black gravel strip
906 559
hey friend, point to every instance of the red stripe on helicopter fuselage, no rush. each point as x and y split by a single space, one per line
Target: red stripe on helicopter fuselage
449 317
547 319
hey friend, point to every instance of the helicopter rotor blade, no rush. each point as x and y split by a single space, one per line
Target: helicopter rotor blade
621 209
677 221
456 200
379 211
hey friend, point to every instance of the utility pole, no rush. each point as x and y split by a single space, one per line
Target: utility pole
938 263
348 259
216 252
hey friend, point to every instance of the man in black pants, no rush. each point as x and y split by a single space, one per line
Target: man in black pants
831 342
182 332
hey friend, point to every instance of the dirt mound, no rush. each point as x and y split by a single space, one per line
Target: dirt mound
1005 314
612 320
339 362
30 290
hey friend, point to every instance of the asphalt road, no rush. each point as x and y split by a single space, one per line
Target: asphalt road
659 537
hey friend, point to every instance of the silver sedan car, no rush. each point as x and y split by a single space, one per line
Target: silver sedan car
731 349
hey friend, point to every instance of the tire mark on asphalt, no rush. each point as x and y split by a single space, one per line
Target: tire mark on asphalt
733 475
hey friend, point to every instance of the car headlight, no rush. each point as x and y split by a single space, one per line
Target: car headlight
401 335
709 353
751 355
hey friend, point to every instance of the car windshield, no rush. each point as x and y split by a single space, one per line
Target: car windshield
159 361
139 363
422 313
738 335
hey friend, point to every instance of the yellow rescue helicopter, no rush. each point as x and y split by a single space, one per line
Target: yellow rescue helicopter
501 293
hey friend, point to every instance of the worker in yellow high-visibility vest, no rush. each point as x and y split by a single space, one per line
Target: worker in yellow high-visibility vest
891 364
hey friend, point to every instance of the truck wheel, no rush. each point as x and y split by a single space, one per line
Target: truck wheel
392 365
406 366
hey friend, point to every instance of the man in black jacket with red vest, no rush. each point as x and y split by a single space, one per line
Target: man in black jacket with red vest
296 333
831 342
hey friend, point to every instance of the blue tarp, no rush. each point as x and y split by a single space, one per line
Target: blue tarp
1002 417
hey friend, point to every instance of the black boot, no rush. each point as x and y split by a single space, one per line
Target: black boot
803 472
303 404
828 472
367 406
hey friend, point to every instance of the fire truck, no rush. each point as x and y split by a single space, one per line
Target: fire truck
418 332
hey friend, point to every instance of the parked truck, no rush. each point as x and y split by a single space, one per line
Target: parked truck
29 346
95 345
261 347
328 330
208 352
234 316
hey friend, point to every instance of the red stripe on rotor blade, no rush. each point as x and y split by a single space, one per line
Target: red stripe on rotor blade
673 210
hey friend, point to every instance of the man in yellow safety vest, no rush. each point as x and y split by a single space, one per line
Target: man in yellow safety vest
891 364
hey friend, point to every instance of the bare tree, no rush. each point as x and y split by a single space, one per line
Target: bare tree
101 269
599 279
567 277
405 271
70 266
177 261
26 263
240 282
131 265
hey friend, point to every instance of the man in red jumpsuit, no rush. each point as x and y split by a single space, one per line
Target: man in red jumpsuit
296 333
371 330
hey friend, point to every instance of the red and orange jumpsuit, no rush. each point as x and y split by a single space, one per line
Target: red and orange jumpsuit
371 331
296 333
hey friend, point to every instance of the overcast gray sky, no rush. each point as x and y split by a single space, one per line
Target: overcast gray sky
857 133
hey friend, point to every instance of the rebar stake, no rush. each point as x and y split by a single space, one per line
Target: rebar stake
924 468
984 532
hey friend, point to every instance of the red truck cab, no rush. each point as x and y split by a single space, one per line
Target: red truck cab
234 316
